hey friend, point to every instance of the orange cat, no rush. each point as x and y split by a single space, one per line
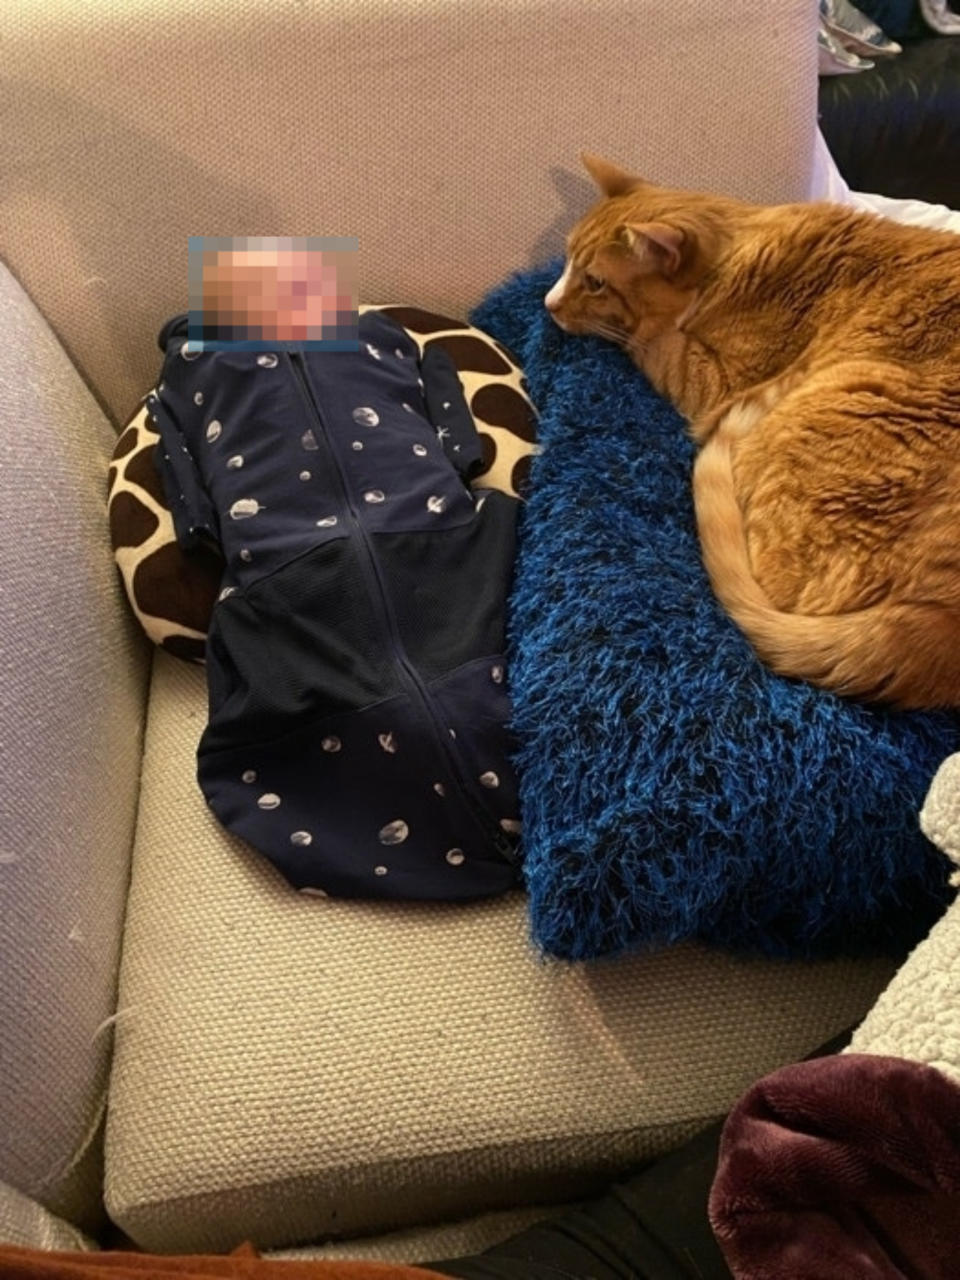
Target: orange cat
815 352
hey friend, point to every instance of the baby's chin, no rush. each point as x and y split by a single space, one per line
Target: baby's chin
298 330
290 331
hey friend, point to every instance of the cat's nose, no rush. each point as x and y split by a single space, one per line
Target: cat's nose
553 298
552 303
552 308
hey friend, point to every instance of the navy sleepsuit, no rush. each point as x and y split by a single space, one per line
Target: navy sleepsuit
357 697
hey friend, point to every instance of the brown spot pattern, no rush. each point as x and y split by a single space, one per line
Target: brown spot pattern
520 474
126 444
421 321
504 407
488 452
141 471
181 588
131 523
471 355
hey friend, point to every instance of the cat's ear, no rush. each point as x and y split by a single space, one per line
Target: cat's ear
611 180
657 246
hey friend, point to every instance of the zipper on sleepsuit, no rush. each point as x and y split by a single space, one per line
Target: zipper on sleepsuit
486 823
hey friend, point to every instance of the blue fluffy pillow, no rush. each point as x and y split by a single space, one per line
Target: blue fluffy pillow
672 787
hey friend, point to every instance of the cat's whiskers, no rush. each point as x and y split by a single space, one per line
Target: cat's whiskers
609 331
635 348
630 343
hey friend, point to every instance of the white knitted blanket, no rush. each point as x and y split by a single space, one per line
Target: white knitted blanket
918 1015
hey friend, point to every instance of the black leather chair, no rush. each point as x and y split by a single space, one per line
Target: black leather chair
895 129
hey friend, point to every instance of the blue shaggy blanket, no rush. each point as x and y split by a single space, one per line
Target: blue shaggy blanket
672 787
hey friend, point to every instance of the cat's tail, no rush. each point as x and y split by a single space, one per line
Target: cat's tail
904 654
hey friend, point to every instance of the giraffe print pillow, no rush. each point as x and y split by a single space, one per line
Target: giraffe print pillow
172 593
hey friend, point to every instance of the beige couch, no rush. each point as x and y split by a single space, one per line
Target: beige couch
185 1044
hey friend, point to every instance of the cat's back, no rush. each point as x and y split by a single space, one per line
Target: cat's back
909 261
849 237
889 289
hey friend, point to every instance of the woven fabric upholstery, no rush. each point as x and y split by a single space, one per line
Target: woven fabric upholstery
444 135
429 1244
26 1223
72 668
291 1068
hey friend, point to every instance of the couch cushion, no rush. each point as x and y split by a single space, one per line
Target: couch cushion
291 1068
460 1239
26 1223
70 732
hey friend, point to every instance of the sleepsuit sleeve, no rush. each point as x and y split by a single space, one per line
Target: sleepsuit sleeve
194 517
449 412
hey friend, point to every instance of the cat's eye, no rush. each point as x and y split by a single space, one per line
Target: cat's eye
594 283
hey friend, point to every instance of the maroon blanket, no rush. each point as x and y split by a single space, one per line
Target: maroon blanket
842 1168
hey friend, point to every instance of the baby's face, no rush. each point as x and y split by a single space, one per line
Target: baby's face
283 294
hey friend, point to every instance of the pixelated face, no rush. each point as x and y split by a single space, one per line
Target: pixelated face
273 288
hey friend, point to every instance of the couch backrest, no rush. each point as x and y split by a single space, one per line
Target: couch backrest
443 133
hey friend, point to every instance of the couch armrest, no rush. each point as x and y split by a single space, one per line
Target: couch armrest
24 1222
73 671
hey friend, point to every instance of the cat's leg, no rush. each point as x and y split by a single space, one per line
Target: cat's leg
844 497
738 414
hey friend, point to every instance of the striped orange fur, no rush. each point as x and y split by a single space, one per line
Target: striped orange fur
815 352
